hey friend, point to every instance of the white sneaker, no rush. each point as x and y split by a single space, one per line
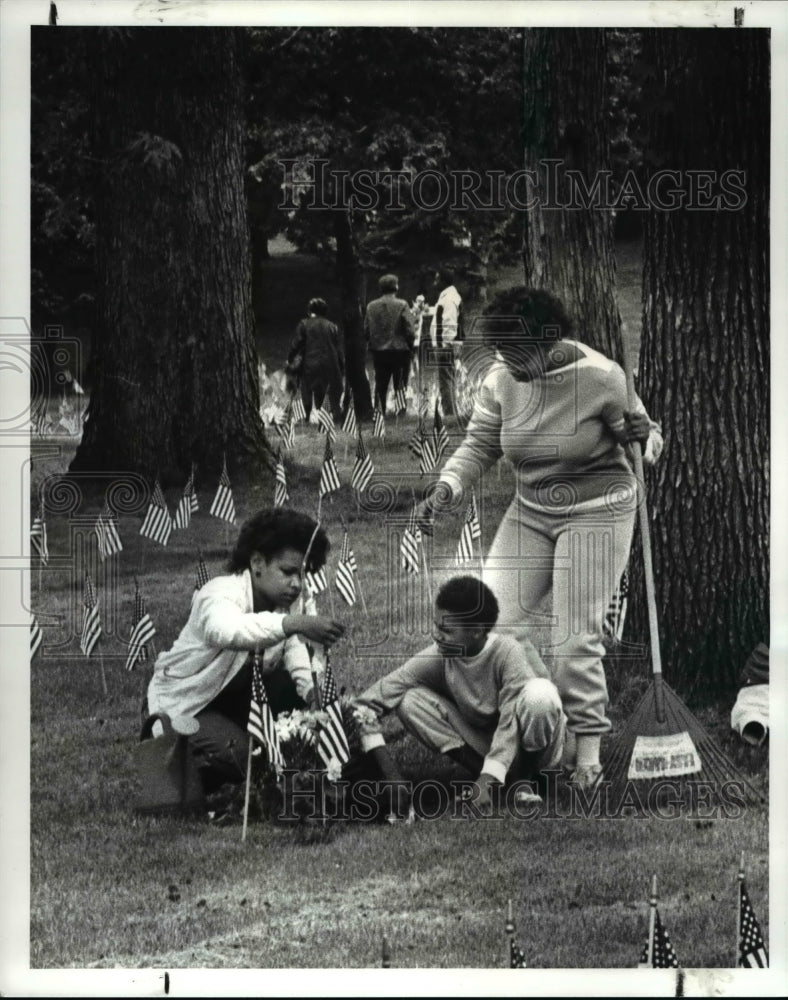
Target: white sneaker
587 777
526 795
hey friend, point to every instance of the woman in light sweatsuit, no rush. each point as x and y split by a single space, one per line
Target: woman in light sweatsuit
558 411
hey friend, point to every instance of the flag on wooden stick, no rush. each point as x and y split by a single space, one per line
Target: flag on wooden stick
440 437
38 534
261 722
362 468
223 505
36 636
345 575
325 421
142 631
299 411
157 524
400 400
616 613
281 496
203 576
752 949
349 425
329 477
315 582
187 505
107 533
91 621
471 532
332 743
410 546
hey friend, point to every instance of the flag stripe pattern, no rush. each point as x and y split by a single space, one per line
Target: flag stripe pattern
332 742
400 400
752 949
38 535
316 582
299 411
378 422
107 533
363 469
157 524
329 477
345 578
281 496
440 438
36 636
203 576
261 721
616 613
142 631
223 505
662 954
91 622
325 421
470 533
188 504
349 425
411 544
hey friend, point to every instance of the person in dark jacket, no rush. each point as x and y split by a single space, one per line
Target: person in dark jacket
317 358
391 334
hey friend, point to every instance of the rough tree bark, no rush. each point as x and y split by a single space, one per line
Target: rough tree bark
567 242
175 366
705 353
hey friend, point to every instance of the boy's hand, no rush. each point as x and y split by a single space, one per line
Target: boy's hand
485 783
316 628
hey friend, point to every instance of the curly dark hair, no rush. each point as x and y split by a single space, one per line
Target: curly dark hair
521 313
271 531
470 600
318 307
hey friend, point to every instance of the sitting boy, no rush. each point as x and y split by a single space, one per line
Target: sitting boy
483 699
207 674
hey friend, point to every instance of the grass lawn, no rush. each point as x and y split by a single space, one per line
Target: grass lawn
113 890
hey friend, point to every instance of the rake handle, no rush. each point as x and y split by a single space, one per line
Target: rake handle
645 536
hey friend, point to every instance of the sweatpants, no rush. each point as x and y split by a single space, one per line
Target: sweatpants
437 722
578 559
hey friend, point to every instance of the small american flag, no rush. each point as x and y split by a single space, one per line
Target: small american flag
516 956
410 546
362 468
187 505
157 523
345 574
332 743
470 533
752 950
223 505
281 496
659 953
325 421
36 635
299 411
107 533
440 437
616 613
91 622
400 400
315 582
329 477
261 722
287 430
38 534
349 425
203 576
378 422
142 631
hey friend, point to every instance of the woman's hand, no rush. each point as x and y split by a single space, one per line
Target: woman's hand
316 628
637 427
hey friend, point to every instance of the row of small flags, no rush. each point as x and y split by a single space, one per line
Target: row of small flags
658 952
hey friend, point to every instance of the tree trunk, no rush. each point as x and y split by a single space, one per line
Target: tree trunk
705 356
349 275
175 374
568 248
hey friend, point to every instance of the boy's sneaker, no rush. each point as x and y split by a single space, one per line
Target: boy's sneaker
587 777
526 794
